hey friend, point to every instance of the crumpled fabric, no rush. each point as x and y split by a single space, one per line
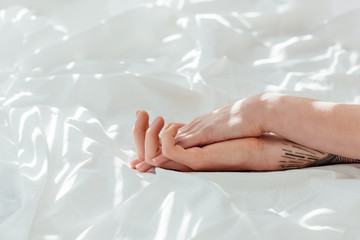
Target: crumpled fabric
73 73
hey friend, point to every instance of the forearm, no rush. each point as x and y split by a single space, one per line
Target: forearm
328 127
282 154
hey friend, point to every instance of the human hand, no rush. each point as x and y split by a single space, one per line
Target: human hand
232 155
148 144
268 152
239 120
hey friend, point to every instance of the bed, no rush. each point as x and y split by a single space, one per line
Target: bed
73 74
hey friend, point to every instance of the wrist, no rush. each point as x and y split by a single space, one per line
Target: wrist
262 106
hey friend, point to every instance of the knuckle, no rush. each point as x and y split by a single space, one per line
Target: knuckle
180 142
150 132
148 161
164 134
138 129
166 152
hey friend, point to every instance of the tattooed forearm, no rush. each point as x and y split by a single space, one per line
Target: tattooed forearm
297 156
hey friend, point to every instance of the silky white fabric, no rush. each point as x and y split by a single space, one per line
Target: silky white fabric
73 73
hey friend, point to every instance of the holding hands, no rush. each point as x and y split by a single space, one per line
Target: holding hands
231 155
238 138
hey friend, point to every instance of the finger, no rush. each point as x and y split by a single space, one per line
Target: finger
171 165
184 130
165 163
192 139
152 141
190 125
143 166
179 125
160 159
139 132
177 153
231 155
133 163
186 140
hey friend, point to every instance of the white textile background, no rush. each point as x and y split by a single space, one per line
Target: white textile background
73 73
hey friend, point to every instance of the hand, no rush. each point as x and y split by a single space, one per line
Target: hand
268 152
238 120
232 155
148 144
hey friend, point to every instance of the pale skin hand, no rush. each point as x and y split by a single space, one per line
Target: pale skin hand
265 153
238 120
148 144
301 120
233 155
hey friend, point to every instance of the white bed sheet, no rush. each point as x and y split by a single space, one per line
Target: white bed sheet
73 73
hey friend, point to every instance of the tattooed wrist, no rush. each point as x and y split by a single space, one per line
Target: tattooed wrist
297 156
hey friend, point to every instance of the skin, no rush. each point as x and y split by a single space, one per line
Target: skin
267 152
239 120
148 145
302 120
223 156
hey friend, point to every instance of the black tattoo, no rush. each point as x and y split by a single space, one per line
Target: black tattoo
297 156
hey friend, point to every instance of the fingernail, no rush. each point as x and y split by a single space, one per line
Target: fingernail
137 113
154 122
140 166
132 164
172 127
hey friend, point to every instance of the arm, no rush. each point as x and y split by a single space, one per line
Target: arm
266 153
328 127
290 155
